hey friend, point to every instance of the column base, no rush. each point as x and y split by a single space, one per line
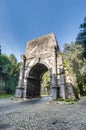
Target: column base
54 93
62 91
19 92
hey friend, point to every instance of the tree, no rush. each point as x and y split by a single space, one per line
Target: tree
14 73
81 37
4 70
13 59
75 58
45 83
0 49
9 72
76 64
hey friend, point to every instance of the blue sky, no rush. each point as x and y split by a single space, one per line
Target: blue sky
24 20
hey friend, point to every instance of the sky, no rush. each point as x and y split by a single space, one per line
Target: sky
24 20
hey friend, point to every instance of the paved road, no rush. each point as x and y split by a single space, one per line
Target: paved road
41 115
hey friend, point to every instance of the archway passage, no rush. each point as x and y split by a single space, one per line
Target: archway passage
45 84
34 80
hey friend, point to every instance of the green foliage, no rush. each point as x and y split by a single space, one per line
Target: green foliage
45 83
0 49
66 65
67 100
9 73
5 95
74 59
13 59
4 64
81 37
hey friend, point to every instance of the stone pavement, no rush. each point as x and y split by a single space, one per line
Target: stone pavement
42 115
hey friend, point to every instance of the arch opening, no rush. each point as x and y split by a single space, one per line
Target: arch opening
45 84
34 80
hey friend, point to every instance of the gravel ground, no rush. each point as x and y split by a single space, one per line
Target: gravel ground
40 114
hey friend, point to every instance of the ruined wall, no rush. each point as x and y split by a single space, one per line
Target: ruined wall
71 91
65 80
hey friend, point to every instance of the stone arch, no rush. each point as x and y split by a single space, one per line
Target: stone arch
35 62
42 54
34 80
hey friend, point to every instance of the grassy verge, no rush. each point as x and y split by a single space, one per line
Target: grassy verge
5 95
67 101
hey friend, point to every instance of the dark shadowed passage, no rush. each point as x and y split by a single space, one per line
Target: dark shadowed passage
34 80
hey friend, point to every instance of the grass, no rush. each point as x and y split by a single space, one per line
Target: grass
5 95
69 101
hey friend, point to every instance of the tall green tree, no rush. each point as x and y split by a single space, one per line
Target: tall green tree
0 49
9 72
76 63
13 59
75 58
4 70
45 83
81 36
